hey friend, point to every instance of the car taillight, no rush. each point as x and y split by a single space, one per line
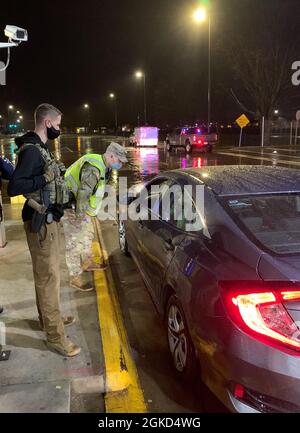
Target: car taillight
239 391
261 312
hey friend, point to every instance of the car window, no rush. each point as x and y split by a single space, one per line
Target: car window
179 210
273 220
193 220
151 195
155 197
201 130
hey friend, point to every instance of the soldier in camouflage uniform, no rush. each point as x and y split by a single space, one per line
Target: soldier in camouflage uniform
86 180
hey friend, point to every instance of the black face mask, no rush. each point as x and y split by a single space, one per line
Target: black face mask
52 133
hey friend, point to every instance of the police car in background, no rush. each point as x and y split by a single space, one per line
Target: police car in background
192 138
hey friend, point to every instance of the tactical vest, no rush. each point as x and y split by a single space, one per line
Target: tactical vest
72 177
57 189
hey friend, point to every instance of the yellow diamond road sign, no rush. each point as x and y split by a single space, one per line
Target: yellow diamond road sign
242 121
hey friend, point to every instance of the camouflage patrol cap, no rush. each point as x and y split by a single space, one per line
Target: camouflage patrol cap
117 150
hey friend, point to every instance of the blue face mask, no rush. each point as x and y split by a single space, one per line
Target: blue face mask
116 165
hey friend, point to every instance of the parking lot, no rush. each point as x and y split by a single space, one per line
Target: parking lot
163 391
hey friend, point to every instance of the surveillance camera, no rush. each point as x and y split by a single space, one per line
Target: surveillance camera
16 33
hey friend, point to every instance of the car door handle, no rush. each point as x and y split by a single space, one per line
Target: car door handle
169 246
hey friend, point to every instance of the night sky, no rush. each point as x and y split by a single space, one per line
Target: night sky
80 51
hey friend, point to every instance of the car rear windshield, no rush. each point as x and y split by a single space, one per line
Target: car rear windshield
273 220
201 130
197 131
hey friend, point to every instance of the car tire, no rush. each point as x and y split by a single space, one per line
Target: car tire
180 344
122 238
188 147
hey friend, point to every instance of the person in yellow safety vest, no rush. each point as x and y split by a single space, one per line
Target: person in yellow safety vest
86 180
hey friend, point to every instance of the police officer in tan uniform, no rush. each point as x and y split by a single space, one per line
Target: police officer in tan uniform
39 177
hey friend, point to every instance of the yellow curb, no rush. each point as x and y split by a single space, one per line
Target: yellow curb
124 393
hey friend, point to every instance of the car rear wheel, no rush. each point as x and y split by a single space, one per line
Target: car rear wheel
188 147
180 344
122 238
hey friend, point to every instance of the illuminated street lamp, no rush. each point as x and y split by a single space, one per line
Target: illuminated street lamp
114 98
139 75
276 112
201 15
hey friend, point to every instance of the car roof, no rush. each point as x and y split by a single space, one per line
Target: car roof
244 179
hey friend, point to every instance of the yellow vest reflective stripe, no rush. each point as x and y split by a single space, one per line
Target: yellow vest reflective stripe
72 177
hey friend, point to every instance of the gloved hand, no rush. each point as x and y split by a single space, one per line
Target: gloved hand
49 174
61 167
82 203
57 211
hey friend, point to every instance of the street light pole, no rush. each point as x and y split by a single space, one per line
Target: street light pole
209 76
87 107
10 107
114 97
140 74
116 114
145 103
201 15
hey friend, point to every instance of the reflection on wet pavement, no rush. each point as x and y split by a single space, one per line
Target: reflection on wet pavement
145 163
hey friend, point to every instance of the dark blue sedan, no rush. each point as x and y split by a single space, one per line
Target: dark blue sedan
226 278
